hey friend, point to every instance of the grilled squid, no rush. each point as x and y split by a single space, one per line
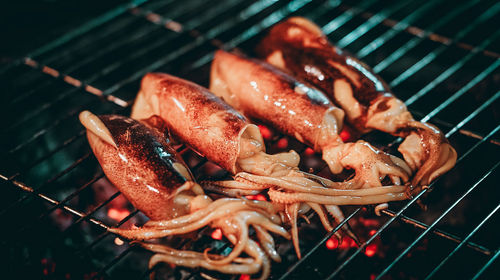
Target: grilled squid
299 47
262 92
138 159
224 136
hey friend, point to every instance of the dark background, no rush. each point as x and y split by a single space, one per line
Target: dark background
33 245
28 24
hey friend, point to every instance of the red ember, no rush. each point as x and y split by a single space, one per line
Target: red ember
332 243
259 196
309 151
282 143
371 250
347 242
266 133
217 234
244 277
369 222
345 135
118 214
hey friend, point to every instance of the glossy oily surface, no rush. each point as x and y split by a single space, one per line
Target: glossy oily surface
196 116
306 53
298 46
143 166
262 92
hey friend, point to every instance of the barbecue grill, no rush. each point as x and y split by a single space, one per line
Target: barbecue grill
441 57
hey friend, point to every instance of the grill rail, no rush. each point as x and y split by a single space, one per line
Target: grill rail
193 39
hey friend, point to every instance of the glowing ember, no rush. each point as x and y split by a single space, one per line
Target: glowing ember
259 196
344 244
371 250
266 133
217 234
347 242
118 241
345 135
244 277
353 243
118 214
282 143
369 222
332 243
49 267
309 151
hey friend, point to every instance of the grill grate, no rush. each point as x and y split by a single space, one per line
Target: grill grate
446 71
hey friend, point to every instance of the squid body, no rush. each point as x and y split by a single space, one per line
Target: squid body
137 158
299 47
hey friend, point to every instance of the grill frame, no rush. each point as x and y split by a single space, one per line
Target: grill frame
200 39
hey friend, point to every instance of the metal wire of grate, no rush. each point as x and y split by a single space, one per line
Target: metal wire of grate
177 38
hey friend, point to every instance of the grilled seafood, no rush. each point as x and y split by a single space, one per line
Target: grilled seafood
138 159
210 126
299 47
263 92
224 136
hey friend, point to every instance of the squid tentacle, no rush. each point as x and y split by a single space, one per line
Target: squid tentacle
243 268
321 214
254 250
286 198
300 184
291 211
267 242
255 218
158 232
337 214
219 205
165 250
189 218
324 219
228 188
238 248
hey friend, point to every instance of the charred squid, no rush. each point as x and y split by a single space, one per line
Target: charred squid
137 158
264 93
299 47
221 134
